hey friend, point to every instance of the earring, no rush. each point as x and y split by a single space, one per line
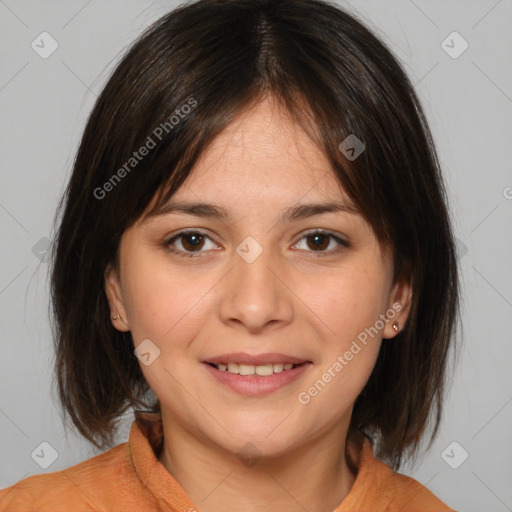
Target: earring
115 317
396 327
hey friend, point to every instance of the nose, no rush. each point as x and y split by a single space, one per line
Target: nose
255 292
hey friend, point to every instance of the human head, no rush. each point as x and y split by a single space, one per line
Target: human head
335 79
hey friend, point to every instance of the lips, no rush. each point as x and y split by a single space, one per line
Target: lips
249 384
256 360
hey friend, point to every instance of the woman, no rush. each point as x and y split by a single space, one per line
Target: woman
256 233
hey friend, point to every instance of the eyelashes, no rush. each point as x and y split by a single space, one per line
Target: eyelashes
191 239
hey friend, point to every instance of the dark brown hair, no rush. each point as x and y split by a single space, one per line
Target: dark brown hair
335 78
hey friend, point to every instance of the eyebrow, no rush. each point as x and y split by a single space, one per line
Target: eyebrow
213 211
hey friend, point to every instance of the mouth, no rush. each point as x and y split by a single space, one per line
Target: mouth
255 379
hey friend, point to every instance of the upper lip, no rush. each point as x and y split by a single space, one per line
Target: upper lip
257 359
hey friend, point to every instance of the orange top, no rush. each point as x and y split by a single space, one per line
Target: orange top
129 477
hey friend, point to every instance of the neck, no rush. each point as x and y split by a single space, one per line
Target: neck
313 476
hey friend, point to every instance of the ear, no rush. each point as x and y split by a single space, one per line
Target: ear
398 308
115 299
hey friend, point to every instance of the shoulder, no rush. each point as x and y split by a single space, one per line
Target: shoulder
84 486
402 493
408 495
379 488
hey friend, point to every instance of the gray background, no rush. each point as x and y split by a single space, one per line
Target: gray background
468 100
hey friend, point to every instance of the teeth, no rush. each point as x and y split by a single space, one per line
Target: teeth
250 369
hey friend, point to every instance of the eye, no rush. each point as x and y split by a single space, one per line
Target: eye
193 241
321 240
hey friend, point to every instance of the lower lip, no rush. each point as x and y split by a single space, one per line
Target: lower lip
254 385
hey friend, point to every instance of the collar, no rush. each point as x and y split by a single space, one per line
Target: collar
146 442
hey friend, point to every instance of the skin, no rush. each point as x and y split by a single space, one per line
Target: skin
288 300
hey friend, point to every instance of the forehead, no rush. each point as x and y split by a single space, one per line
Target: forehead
263 153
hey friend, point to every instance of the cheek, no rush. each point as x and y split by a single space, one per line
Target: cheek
348 301
165 303
156 298
168 307
339 382
350 346
349 304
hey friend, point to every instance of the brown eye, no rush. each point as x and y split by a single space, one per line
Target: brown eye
319 241
193 241
190 241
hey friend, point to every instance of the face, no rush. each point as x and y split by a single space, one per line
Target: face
257 284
